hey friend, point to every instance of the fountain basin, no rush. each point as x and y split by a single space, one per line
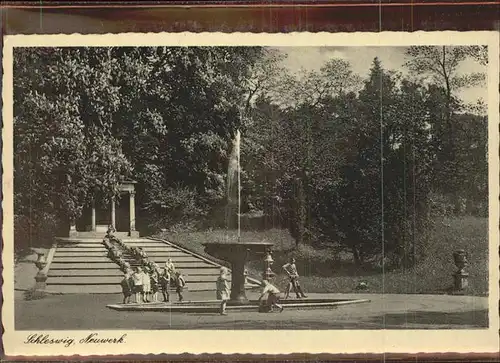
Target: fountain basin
213 306
237 254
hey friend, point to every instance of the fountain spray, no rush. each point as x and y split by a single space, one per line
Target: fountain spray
234 180
238 139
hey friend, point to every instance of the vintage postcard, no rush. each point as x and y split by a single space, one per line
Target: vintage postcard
250 193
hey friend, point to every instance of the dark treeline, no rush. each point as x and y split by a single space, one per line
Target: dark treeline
363 163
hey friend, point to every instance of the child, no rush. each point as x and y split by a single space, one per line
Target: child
154 286
138 289
179 283
272 296
165 285
110 233
222 286
146 282
170 267
291 270
126 284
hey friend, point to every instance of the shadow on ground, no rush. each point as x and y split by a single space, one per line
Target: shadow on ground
478 318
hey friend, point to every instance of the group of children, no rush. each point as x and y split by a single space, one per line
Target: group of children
145 283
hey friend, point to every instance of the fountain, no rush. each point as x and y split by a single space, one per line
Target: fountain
237 252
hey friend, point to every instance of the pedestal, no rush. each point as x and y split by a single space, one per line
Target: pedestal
236 254
461 281
238 295
41 281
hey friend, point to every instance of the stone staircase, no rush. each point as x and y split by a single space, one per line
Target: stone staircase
81 265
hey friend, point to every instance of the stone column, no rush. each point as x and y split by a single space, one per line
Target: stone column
132 211
113 215
72 228
93 216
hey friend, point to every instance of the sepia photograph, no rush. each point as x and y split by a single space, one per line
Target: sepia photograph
256 187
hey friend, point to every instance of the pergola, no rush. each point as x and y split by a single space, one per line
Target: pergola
125 187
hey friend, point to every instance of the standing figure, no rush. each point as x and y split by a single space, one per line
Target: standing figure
291 270
146 282
138 289
165 285
272 293
180 283
222 286
127 284
170 267
154 285
110 233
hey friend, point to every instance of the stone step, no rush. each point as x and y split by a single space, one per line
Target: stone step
162 247
110 280
104 258
60 265
166 253
181 265
80 253
85 272
102 252
146 246
86 266
83 252
90 246
116 288
100 247
84 289
87 247
80 259
82 280
69 241
98 240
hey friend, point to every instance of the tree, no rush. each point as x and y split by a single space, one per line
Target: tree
441 64
335 77
64 100
85 118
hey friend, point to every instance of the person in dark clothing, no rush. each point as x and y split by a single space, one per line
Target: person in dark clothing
164 282
180 283
127 284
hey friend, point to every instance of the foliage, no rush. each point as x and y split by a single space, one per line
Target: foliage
346 164
87 118
65 151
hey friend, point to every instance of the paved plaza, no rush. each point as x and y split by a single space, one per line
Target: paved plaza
391 311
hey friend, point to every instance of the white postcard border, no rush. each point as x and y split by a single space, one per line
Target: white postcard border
256 341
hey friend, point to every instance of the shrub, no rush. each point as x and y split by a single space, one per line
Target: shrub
37 231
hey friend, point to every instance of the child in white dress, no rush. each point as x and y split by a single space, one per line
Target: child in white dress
146 283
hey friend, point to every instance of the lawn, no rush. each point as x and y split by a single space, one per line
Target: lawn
328 271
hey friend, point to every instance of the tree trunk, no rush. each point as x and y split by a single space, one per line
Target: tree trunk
357 257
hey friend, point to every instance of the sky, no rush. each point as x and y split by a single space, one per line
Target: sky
361 58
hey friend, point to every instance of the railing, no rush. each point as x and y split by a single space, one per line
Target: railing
41 276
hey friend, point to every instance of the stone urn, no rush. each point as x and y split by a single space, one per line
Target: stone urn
268 261
41 261
460 259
